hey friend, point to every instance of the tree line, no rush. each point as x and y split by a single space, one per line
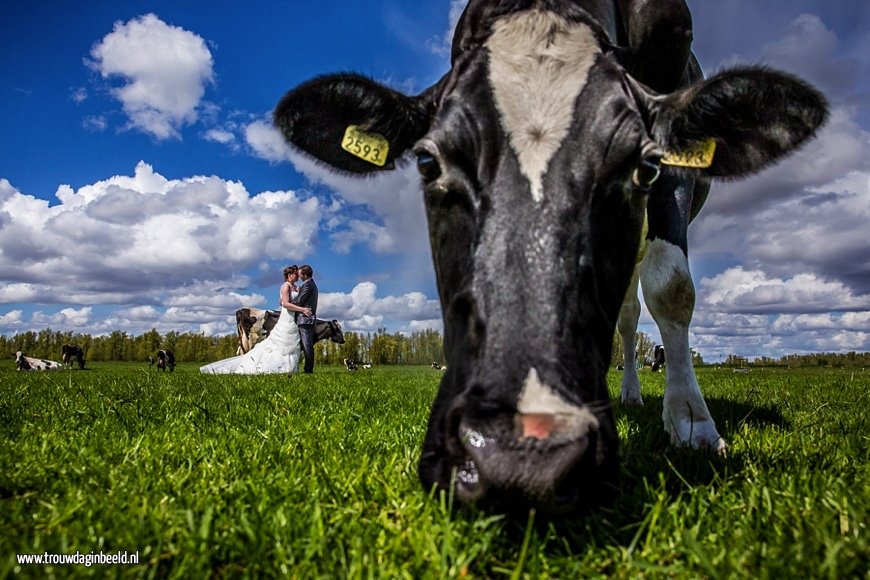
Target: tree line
378 348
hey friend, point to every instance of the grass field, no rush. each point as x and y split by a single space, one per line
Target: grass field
315 476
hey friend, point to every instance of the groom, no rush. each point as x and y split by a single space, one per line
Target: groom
307 298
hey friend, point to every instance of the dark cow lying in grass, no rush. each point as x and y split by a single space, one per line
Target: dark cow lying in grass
571 142
165 360
72 353
255 324
27 363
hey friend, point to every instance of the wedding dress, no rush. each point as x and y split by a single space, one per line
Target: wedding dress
277 353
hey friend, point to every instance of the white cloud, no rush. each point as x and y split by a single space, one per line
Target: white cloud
132 239
737 290
66 318
165 70
395 196
172 253
441 45
79 95
266 142
362 310
221 136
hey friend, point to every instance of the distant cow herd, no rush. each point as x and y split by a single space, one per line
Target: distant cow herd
253 325
73 354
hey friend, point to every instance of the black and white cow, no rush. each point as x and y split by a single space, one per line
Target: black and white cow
72 353
254 324
570 143
658 358
165 360
349 364
28 363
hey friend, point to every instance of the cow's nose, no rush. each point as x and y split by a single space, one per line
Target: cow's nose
543 413
536 425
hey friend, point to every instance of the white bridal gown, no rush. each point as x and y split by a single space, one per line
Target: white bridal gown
277 353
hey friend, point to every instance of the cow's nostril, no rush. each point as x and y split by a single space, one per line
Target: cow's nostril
537 425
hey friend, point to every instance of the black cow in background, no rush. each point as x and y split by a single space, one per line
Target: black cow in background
72 352
658 358
165 360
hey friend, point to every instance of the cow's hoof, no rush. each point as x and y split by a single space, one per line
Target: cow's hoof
697 434
636 400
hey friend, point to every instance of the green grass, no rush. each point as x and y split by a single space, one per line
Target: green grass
315 476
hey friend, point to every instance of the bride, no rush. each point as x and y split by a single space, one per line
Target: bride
277 353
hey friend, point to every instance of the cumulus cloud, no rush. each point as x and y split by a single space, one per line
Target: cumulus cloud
362 310
164 71
737 290
394 196
266 141
132 239
172 253
795 232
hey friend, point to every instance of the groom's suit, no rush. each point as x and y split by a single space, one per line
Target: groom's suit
307 298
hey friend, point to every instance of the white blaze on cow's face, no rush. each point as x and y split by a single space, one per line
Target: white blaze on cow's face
543 414
538 65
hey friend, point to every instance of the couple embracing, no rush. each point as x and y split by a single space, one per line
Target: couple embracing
292 336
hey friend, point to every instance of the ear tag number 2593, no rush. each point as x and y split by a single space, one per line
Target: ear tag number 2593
699 155
369 147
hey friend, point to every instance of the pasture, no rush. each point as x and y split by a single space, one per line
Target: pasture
315 476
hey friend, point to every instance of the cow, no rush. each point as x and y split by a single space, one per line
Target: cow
658 358
254 324
570 143
72 353
165 360
350 364
27 363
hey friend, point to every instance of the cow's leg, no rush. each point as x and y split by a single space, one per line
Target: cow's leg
670 297
629 314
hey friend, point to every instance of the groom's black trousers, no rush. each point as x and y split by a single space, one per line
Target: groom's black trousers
306 337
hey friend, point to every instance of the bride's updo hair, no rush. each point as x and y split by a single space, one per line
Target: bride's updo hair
290 270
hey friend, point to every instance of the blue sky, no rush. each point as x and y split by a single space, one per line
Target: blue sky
142 186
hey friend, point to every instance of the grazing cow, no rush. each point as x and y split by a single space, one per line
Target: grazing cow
571 142
27 363
436 366
658 358
349 364
165 360
70 353
254 324
151 361
367 366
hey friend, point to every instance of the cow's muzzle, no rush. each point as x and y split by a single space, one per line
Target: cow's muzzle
544 461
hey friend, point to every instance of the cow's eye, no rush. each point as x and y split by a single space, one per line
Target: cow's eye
646 173
648 169
428 166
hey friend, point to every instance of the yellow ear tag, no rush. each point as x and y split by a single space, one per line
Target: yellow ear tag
369 147
699 155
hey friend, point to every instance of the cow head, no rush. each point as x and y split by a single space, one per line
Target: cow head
328 329
21 363
537 153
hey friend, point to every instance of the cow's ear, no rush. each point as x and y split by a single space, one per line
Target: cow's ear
737 122
351 122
